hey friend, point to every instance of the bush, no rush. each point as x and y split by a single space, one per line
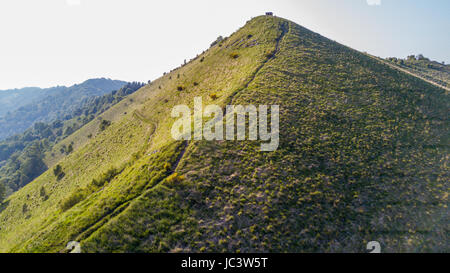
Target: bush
2 192
73 199
174 179
43 193
234 55
69 149
195 83
218 40
58 172
180 88
213 96
104 124
167 166
105 178
270 55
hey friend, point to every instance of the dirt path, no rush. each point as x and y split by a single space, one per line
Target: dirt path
141 117
88 231
284 30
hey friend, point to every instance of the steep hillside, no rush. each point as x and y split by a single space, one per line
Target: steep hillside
52 104
363 156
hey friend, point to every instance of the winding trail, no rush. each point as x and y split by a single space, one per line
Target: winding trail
88 231
284 29
141 117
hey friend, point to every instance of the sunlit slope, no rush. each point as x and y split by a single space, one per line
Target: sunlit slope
363 156
137 145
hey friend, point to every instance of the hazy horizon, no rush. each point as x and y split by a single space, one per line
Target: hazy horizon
71 41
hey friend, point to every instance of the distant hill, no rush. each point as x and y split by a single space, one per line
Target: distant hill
13 99
25 156
26 106
363 156
436 72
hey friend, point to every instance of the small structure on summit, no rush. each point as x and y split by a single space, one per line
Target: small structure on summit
269 13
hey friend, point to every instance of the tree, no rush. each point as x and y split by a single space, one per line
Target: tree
104 124
58 172
43 193
24 208
69 149
411 58
218 40
2 192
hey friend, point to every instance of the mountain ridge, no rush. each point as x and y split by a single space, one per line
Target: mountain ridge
25 156
49 103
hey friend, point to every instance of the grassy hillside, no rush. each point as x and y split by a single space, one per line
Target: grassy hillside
363 156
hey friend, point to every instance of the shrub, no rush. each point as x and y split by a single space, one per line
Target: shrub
43 193
218 40
195 83
69 149
24 208
269 55
167 166
234 55
58 172
174 179
2 192
105 178
213 96
73 199
180 88
104 124
97 183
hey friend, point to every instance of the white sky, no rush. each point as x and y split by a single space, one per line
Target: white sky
61 42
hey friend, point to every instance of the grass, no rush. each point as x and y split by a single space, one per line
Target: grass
46 227
362 156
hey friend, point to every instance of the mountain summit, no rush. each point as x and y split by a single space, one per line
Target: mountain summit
363 156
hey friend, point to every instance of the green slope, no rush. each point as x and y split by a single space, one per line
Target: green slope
363 156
